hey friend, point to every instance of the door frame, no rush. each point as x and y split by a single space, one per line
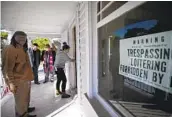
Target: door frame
74 54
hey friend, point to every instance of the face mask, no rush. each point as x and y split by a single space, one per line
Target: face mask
20 39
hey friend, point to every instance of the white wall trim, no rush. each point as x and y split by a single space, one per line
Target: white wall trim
83 49
78 54
89 49
94 49
123 9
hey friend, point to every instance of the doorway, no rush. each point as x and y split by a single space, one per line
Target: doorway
74 56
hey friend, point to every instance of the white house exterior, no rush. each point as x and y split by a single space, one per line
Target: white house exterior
88 20
96 35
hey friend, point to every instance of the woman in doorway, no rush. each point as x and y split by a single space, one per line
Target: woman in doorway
18 73
48 61
61 58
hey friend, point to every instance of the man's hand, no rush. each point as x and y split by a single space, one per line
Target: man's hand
12 88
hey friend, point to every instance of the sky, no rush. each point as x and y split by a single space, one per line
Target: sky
144 24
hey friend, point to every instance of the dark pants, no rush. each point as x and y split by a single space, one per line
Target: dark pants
35 71
61 77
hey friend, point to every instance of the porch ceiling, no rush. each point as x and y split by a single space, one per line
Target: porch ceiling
37 17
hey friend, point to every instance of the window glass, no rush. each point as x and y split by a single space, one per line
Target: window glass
98 18
104 3
114 6
141 39
98 7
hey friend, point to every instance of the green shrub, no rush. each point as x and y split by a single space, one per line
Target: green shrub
41 42
4 35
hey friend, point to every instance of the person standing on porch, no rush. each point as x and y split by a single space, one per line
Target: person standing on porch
18 73
35 57
61 58
47 58
53 49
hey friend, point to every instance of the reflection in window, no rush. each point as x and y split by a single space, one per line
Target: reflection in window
98 18
136 97
114 6
98 7
138 29
104 3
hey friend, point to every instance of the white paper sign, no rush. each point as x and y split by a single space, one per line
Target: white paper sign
148 59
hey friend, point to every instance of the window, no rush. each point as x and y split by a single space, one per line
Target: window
104 3
136 97
104 8
114 6
98 18
98 7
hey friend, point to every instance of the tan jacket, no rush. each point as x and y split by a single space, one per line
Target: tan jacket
16 65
